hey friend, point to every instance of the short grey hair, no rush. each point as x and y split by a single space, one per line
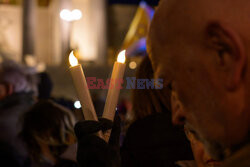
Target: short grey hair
22 78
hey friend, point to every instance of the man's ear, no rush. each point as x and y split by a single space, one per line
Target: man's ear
231 52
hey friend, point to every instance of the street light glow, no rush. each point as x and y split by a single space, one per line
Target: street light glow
68 15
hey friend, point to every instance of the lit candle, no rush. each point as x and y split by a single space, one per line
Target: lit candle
82 90
113 92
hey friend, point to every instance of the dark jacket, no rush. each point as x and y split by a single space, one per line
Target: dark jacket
10 158
154 141
12 109
61 163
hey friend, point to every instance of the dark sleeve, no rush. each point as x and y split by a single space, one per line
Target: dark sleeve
127 157
93 151
66 163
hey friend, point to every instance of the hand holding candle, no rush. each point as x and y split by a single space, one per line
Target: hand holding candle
82 90
113 92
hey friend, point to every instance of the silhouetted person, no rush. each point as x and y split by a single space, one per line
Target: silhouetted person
151 139
17 90
47 133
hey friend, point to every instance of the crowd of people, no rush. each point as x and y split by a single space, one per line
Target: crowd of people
199 119
35 129
39 132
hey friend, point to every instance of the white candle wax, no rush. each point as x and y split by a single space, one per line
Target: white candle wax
83 93
113 92
82 90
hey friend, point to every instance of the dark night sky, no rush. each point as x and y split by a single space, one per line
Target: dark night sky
150 2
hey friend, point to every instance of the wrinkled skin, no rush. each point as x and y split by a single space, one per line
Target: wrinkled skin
202 158
200 48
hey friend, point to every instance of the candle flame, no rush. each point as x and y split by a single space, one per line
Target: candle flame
72 59
122 57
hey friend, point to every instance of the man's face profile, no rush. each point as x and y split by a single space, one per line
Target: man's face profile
201 55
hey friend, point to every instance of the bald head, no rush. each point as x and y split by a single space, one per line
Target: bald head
201 48
192 17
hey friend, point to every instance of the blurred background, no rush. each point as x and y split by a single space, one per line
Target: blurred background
41 34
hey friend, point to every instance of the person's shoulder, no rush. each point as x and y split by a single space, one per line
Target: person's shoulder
148 129
241 158
17 99
150 121
66 163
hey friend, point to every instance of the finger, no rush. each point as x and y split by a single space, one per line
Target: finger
88 127
115 133
106 124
